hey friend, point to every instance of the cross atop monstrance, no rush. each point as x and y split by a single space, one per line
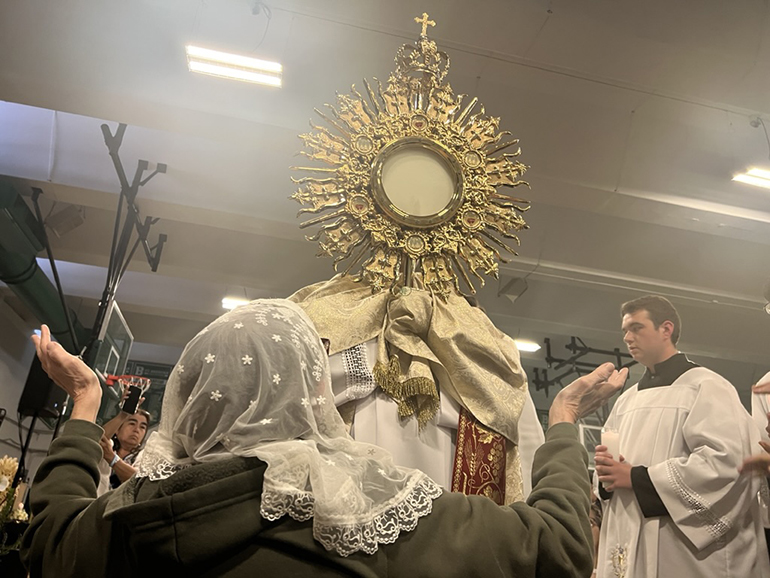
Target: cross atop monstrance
425 23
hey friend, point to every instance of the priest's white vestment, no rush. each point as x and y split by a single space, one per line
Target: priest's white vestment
760 407
691 435
432 449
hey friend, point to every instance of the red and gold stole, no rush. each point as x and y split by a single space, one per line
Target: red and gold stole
479 464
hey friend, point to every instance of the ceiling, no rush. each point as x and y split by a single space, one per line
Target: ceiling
633 117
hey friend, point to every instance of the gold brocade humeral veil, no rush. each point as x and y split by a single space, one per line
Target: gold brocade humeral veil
428 345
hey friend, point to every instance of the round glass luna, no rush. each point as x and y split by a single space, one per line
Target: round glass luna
417 182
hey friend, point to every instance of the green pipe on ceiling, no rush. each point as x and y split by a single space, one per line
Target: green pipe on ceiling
20 243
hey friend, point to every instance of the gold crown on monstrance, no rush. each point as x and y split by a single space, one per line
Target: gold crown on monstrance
423 57
365 221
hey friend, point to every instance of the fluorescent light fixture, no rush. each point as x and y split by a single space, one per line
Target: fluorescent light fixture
234 66
527 345
756 177
233 302
759 173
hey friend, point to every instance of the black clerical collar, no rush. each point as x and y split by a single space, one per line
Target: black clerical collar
666 372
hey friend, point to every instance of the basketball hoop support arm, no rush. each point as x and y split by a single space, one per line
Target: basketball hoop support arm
122 234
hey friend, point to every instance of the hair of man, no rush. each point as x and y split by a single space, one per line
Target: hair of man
659 310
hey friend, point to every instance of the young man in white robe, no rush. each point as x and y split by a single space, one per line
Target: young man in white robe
760 464
760 408
675 503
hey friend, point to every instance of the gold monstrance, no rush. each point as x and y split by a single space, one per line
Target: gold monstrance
414 180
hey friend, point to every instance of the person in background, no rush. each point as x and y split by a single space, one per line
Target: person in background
675 505
121 449
119 454
760 409
251 472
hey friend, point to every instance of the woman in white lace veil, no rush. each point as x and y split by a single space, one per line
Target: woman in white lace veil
256 383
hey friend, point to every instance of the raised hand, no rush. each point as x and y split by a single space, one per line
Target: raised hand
587 393
123 398
69 373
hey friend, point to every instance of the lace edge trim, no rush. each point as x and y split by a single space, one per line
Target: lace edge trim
160 470
348 538
385 527
697 505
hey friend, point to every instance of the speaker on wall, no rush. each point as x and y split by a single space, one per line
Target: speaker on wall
41 395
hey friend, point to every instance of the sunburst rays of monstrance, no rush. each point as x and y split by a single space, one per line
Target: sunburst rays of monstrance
389 227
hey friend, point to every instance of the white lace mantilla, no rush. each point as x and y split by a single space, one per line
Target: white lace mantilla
346 537
349 536
256 383
156 467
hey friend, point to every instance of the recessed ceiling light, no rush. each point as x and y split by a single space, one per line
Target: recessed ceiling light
234 66
233 302
756 177
527 345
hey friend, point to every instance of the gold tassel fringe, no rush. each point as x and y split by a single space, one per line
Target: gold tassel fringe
417 395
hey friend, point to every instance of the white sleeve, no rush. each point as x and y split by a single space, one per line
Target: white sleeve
759 409
703 493
531 437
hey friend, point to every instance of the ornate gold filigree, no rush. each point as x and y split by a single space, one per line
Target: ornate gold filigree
417 108
619 558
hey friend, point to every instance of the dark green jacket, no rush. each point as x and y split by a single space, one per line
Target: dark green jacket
204 521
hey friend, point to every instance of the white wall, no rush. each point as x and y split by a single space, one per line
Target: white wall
16 354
